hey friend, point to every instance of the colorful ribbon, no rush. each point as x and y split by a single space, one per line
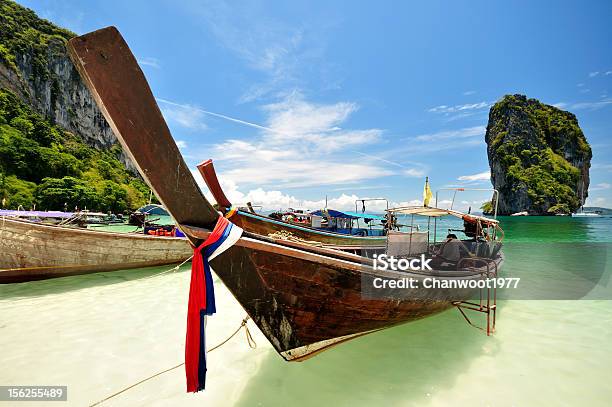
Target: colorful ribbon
202 299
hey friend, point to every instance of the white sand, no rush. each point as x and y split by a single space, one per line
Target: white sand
102 338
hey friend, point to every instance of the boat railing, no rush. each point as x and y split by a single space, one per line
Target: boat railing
487 304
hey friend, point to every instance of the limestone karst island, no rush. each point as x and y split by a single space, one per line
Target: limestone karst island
309 204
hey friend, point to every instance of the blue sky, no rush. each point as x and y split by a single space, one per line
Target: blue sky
348 99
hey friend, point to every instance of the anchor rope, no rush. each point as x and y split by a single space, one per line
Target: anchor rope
251 342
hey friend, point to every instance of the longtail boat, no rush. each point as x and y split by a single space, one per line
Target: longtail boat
304 298
250 221
35 251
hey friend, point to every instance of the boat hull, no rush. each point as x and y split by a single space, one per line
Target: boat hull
305 302
265 226
33 251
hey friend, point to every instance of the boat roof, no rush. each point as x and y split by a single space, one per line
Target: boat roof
153 209
365 215
346 214
39 214
332 213
438 212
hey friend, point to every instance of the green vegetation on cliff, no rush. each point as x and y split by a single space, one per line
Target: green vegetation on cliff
23 32
44 165
538 154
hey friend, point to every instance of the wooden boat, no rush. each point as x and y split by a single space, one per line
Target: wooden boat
304 298
35 251
265 225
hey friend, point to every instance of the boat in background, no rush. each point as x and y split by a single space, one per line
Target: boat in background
35 251
37 216
583 214
337 233
304 298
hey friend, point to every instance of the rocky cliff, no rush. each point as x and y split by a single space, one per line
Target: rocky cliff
35 66
538 155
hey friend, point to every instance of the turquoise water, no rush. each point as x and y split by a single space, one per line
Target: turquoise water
543 353
101 332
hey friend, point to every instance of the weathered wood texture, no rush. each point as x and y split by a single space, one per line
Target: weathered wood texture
304 301
120 89
33 251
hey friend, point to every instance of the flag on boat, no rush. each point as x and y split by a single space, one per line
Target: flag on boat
202 299
427 195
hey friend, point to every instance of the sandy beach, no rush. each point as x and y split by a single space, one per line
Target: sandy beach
102 332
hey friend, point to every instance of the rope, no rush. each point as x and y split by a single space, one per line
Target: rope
285 235
250 341
173 269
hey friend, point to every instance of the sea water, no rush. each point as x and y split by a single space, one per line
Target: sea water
100 333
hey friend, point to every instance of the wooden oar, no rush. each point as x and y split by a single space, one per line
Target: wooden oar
120 89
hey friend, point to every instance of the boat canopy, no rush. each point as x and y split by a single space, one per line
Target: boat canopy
365 216
332 213
347 215
438 212
153 209
39 214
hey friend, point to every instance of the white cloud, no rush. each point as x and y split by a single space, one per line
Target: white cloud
593 74
604 167
181 143
608 73
276 199
459 108
580 85
481 176
560 105
278 51
599 201
466 132
149 61
317 125
469 92
467 137
184 115
414 172
591 105
302 144
600 187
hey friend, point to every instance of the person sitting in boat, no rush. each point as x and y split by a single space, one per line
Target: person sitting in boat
451 250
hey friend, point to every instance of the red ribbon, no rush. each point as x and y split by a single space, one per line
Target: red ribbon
197 304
